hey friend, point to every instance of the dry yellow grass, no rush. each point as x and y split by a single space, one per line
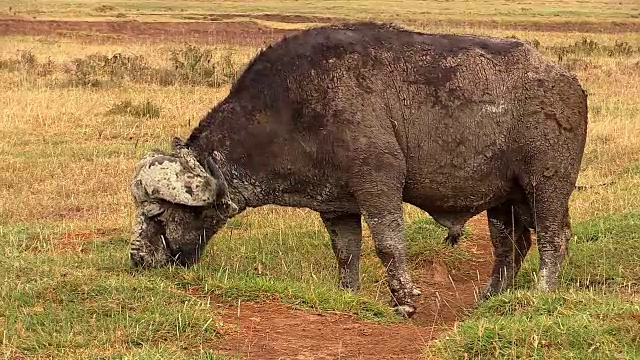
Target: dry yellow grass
413 10
65 159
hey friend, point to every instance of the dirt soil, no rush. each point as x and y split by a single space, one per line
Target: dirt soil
282 18
76 241
246 33
271 330
250 33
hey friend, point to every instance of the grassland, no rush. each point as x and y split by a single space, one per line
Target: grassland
75 118
405 10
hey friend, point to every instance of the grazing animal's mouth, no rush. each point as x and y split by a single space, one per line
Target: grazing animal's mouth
149 246
176 236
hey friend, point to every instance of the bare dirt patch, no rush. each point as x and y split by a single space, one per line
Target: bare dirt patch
282 18
276 331
77 241
249 33
270 330
448 294
237 33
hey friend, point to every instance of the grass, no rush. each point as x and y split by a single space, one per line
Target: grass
570 325
63 314
407 10
189 65
595 315
77 114
146 109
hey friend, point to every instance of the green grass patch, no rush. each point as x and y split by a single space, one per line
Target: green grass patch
567 325
603 254
595 314
57 303
605 251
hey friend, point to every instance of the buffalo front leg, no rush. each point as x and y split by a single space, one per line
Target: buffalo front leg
387 233
386 225
345 232
376 178
511 241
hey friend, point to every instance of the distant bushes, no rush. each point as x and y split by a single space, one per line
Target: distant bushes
26 61
585 47
186 66
573 56
588 47
195 66
97 69
105 8
198 66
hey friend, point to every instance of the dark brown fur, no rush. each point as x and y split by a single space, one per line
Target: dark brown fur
357 118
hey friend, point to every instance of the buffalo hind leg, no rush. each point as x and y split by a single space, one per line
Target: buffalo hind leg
511 240
553 232
345 232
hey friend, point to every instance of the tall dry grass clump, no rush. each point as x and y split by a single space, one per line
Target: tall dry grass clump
189 65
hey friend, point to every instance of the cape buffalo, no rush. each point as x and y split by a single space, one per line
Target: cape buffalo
355 119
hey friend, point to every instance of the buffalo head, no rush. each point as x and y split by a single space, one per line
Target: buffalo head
180 204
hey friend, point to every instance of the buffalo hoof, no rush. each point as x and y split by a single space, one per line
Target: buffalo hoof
485 294
406 311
